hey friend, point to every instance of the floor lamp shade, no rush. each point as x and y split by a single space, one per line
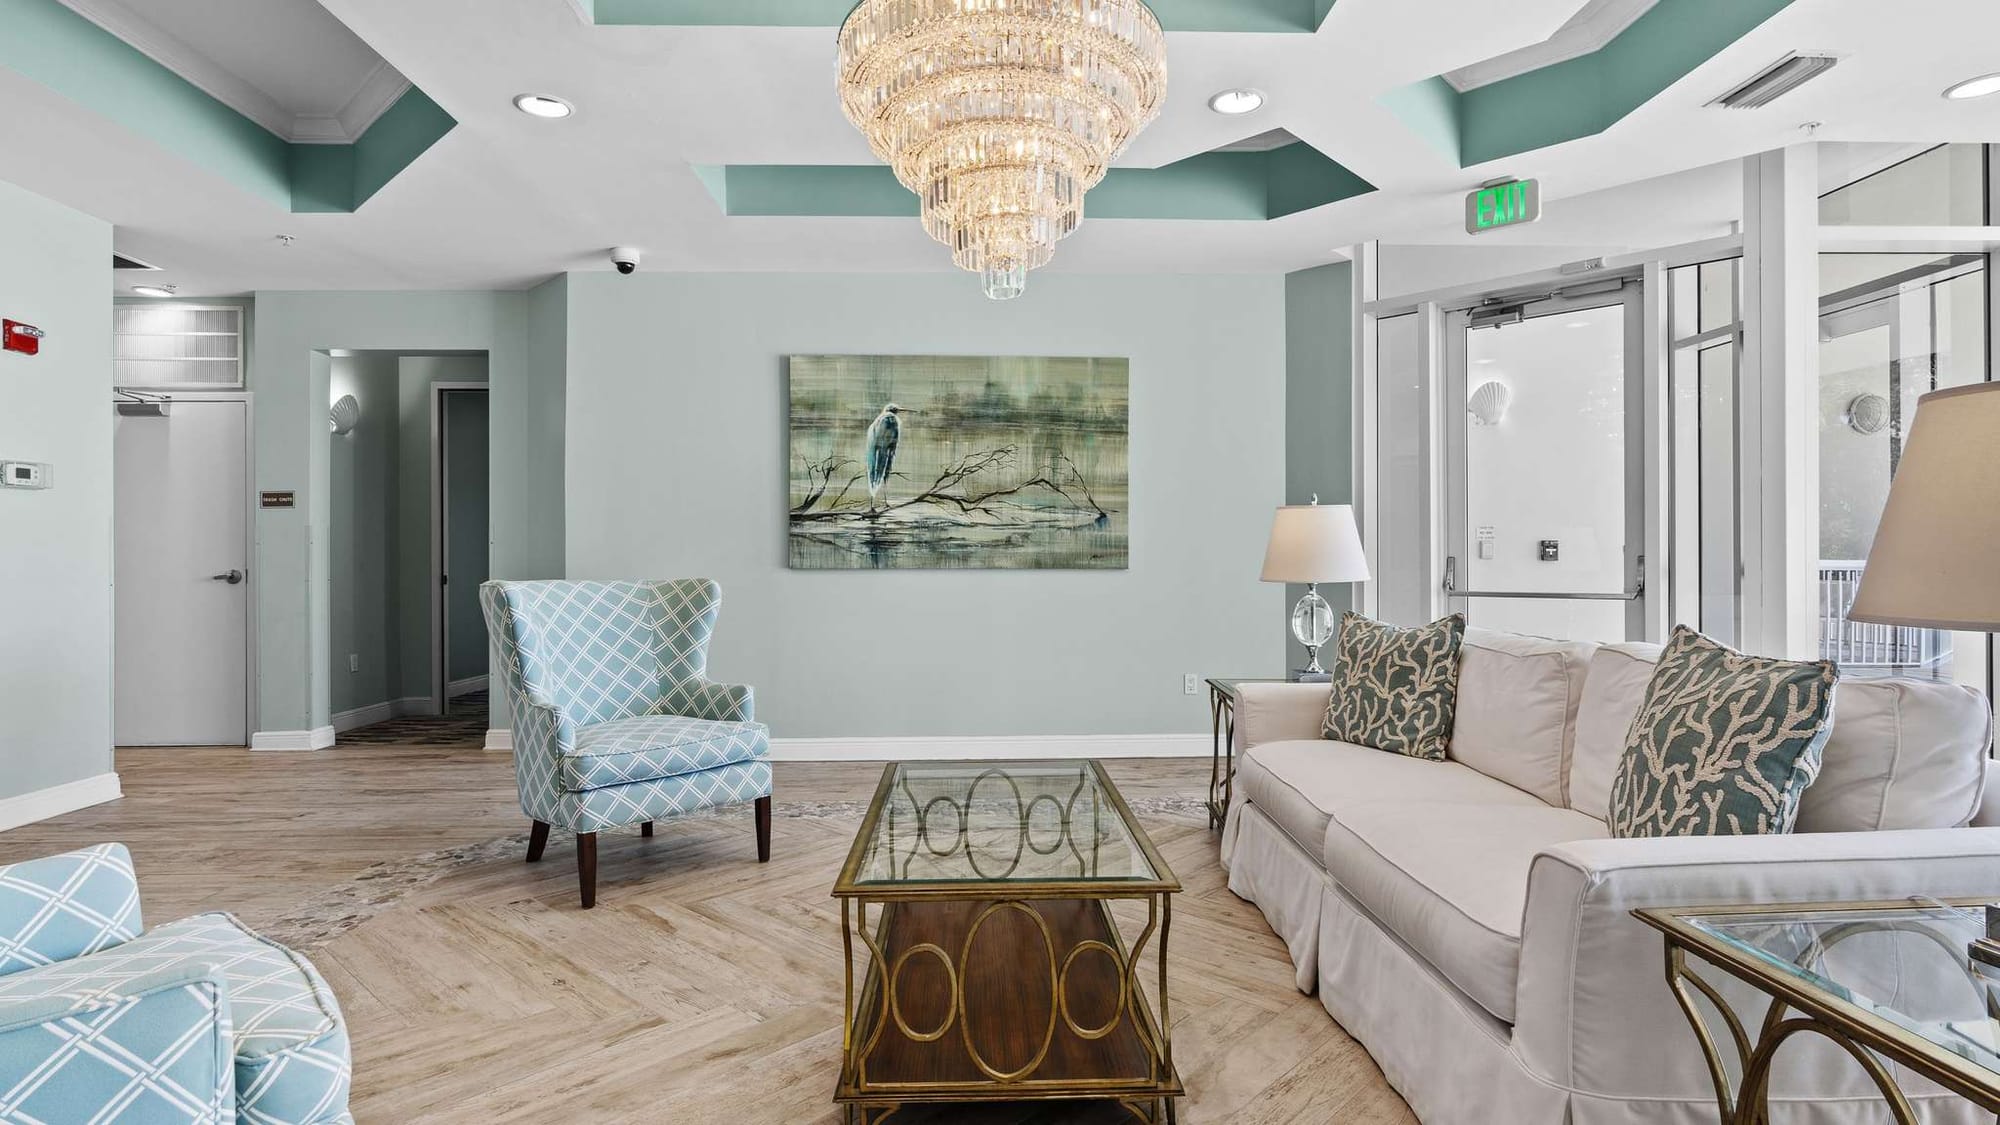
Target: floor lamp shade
1936 559
1315 543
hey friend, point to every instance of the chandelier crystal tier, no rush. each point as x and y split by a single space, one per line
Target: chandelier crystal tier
1001 114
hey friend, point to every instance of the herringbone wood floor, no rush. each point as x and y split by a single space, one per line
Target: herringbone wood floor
704 987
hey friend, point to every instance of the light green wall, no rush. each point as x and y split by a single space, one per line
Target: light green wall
1319 407
362 472
293 332
676 467
414 527
55 545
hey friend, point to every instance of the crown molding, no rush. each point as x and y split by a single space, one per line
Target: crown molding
383 87
376 94
1594 26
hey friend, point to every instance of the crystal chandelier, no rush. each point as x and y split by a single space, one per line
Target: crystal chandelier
1001 114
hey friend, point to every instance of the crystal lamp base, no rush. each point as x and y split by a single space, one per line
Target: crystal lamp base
1312 624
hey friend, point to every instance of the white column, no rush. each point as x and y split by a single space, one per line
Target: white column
1365 286
1778 407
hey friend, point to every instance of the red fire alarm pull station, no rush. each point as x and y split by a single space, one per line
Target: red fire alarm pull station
18 337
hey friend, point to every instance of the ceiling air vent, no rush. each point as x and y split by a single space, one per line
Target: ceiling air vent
123 262
1777 80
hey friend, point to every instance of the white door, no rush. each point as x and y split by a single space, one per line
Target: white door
183 604
1545 476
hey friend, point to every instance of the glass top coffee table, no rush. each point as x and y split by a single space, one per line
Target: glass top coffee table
984 959
1885 980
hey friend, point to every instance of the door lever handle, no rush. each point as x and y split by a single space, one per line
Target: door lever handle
232 577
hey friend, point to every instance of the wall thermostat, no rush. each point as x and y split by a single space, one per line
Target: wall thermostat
26 474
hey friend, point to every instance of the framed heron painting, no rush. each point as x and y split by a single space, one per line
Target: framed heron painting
958 462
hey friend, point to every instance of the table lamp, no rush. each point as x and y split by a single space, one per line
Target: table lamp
1936 559
1314 543
1933 563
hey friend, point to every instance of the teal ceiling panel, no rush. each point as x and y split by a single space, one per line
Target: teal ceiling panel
1266 16
47 42
1245 186
1579 97
52 45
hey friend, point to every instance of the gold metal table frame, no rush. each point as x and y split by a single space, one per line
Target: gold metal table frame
1800 1008
912 1030
1223 692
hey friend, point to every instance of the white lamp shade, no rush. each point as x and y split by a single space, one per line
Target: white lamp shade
1936 559
1315 543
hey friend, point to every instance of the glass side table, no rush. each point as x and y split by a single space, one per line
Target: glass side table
1930 1007
1222 696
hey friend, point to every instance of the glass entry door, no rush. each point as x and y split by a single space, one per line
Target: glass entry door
1545 470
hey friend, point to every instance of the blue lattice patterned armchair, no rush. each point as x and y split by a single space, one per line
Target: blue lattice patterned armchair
199 1020
615 719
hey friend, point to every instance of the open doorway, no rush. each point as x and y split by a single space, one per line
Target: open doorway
408 533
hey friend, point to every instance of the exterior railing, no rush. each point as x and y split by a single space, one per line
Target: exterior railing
1857 644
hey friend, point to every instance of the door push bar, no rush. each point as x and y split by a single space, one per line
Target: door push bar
1452 591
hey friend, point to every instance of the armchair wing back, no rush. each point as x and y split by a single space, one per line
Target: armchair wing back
599 651
67 906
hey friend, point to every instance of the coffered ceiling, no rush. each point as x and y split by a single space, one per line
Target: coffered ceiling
707 131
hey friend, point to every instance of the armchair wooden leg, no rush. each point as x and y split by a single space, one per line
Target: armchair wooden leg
646 829
586 867
764 829
538 838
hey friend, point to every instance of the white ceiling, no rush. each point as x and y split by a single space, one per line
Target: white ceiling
288 65
506 200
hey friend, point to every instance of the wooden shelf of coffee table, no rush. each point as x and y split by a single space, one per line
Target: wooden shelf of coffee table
1006 1014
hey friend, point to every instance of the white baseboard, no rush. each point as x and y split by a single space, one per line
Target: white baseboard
318 738
965 748
465 686
381 712
364 716
998 747
58 799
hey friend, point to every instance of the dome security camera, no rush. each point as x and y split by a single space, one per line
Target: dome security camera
626 258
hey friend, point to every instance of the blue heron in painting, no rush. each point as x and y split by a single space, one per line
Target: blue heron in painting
883 435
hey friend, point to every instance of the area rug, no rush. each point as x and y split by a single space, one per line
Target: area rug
333 911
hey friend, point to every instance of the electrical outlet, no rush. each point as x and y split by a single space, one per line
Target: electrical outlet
354 662
1190 684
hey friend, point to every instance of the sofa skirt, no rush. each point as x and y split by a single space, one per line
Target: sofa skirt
1269 869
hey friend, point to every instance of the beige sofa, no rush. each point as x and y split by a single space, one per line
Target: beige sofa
1468 921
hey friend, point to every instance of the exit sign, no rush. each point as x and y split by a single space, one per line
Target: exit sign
1503 205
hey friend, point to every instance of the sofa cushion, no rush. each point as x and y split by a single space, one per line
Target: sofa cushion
1394 688
1612 693
292 1058
1302 785
1725 743
650 747
1517 701
1903 754
1451 886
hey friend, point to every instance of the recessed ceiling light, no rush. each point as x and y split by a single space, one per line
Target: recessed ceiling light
1975 87
1234 102
154 290
543 105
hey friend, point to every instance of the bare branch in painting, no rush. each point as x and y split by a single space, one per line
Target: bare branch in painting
950 488
820 474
